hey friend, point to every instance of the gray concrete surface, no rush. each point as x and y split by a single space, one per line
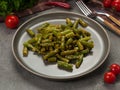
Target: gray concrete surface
14 77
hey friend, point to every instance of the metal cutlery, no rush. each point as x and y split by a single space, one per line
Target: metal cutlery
87 12
110 17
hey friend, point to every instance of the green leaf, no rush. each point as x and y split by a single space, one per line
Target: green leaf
8 6
16 5
3 6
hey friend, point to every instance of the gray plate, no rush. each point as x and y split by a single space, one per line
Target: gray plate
35 64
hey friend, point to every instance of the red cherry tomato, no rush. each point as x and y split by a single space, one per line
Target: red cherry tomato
107 3
116 0
115 68
12 21
109 77
116 5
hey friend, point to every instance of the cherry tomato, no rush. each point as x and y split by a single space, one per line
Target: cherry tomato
116 0
115 68
12 21
116 5
107 3
109 77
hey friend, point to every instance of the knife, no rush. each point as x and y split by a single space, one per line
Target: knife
108 24
110 17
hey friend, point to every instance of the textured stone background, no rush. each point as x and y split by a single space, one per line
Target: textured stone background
14 77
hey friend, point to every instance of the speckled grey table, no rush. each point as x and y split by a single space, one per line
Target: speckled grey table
14 77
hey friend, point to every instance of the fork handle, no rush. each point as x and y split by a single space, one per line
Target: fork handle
112 27
114 20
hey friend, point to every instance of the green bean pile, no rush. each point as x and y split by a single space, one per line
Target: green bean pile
65 44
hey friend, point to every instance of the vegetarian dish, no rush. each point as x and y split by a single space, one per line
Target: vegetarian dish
64 44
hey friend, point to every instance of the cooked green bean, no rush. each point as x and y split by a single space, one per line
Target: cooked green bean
69 41
85 39
80 46
56 34
43 49
65 32
46 41
50 37
68 52
65 65
70 35
52 59
88 44
76 23
76 48
69 22
32 40
46 44
63 26
43 26
25 51
79 61
85 51
76 31
50 48
39 38
28 45
84 32
82 22
30 32
50 54
62 58
65 44
72 57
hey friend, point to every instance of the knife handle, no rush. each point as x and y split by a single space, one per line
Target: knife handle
114 20
112 27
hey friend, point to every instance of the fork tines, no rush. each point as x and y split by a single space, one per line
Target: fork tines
86 11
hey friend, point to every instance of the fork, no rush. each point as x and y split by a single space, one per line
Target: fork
87 12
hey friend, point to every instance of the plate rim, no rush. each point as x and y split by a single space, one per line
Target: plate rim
55 77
